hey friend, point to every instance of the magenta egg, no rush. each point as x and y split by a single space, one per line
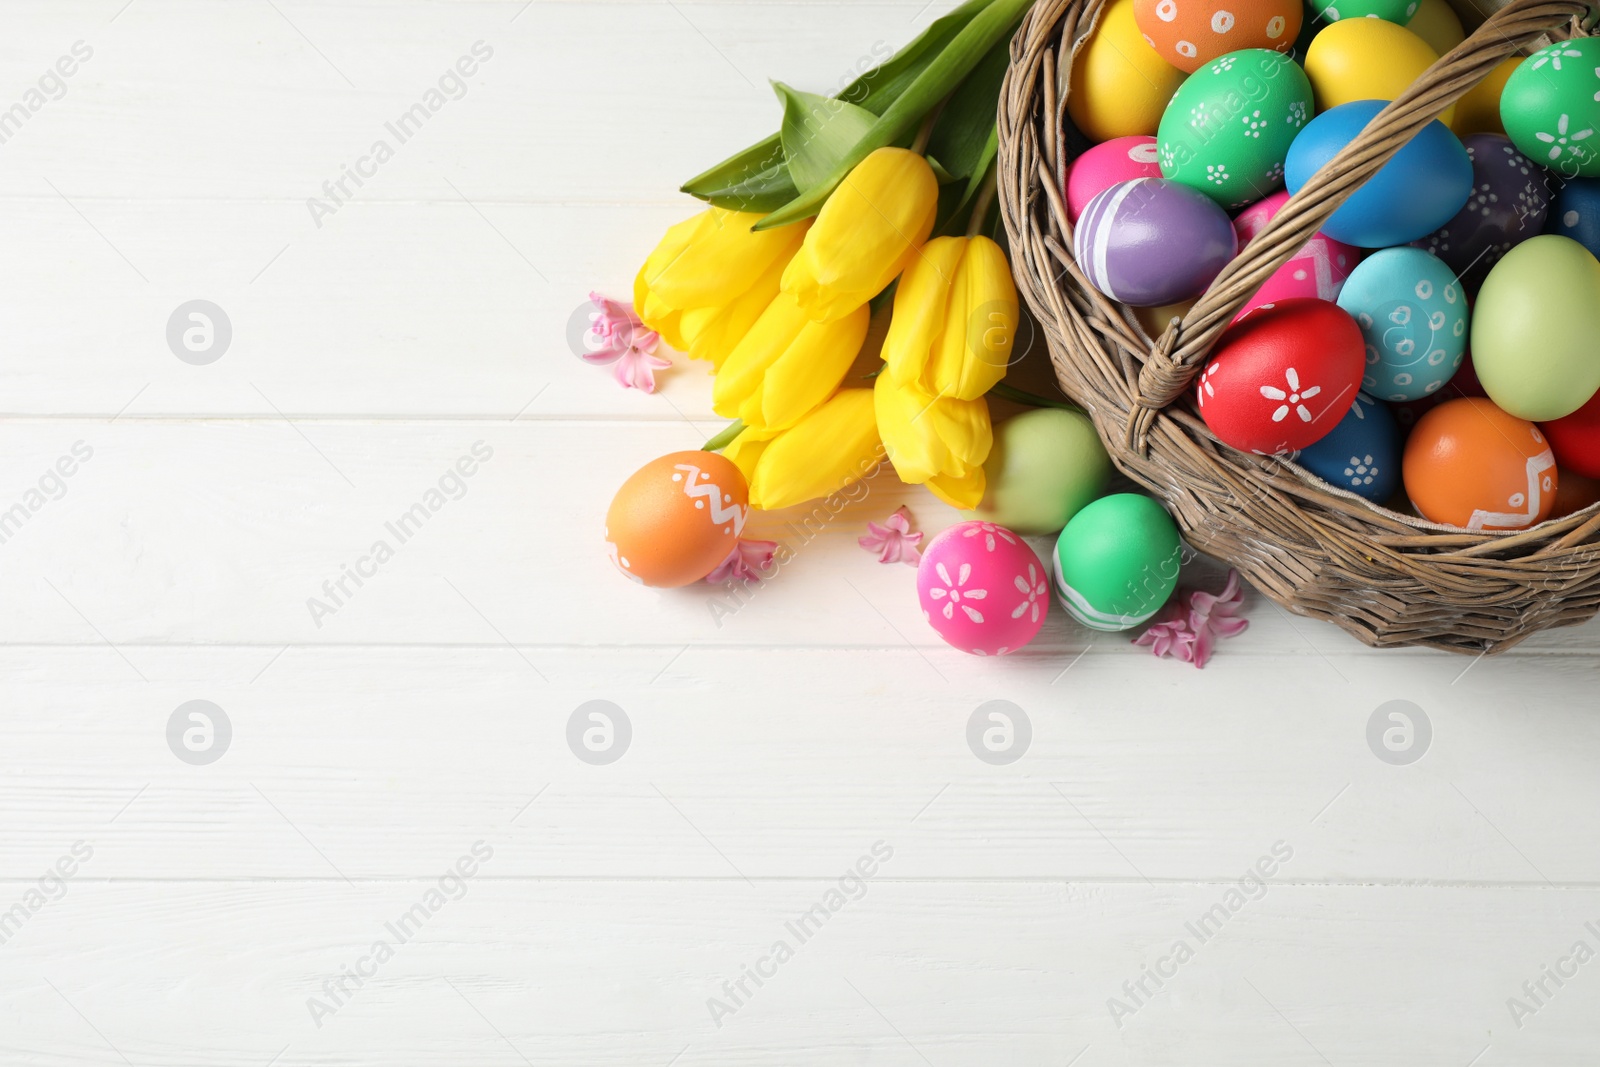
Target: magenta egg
983 589
1121 159
1318 270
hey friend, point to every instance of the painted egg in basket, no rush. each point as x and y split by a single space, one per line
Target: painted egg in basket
1318 270
1550 110
1467 463
1151 241
1104 165
1190 33
1508 205
1413 316
1282 377
1361 454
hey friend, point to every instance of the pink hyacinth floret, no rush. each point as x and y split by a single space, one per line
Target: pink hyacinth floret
892 539
620 340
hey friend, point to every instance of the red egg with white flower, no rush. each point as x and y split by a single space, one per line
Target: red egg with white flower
983 589
1281 378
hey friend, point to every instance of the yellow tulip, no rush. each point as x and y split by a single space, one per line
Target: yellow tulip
955 316
869 229
937 441
710 278
785 365
831 448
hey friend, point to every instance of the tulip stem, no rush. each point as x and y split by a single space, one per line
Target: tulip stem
925 132
980 208
725 438
1022 396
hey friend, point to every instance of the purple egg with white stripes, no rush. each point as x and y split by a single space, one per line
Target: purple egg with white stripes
1150 241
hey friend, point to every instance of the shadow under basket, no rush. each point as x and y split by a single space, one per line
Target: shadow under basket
1388 578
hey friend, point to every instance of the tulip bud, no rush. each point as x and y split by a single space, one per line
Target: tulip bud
786 364
831 448
955 317
867 232
937 441
710 278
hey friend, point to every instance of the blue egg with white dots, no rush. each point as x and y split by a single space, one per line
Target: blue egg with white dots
1412 312
1576 213
1361 453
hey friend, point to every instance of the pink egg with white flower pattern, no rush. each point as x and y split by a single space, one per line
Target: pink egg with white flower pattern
983 589
1318 270
1120 159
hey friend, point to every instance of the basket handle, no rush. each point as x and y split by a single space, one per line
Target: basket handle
1182 348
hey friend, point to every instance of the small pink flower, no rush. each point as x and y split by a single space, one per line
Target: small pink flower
892 539
1191 634
619 337
749 560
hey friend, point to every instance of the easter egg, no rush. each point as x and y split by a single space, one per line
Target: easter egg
1366 59
1437 23
1044 465
1535 329
1128 241
1229 127
1413 318
1117 562
1104 165
1576 212
1390 10
1478 110
1575 439
1420 189
1156 320
1282 377
1549 110
676 518
1508 204
1574 492
1361 454
982 588
1470 464
1119 85
1190 33
1317 270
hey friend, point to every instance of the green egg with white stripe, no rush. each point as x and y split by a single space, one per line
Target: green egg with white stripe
1116 562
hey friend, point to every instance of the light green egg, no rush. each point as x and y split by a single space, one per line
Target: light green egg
1550 107
1536 329
1117 562
1227 129
1045 465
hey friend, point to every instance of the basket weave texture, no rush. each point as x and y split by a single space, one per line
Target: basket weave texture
1388 578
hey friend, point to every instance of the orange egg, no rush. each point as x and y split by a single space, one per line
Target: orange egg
676 518
1470 464
1191 33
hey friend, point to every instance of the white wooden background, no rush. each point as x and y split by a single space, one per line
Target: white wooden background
771 748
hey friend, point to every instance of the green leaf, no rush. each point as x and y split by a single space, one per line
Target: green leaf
752 180
943 176
948 69
755 179
968 119
980 169
817 133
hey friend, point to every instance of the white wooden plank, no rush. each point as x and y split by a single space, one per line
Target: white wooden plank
762 763
602 973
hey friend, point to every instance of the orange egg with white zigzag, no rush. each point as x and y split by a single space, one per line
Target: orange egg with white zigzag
676 518
1469 464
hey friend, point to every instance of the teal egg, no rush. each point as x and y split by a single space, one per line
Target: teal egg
1413 317
1045 465
1117 562
1535 329
1550 107
1228 128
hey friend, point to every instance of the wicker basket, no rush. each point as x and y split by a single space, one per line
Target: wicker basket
1390 579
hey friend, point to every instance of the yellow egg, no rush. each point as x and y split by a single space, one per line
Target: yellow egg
1436 23
1479 110
1156 320
1366 59
1119 85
